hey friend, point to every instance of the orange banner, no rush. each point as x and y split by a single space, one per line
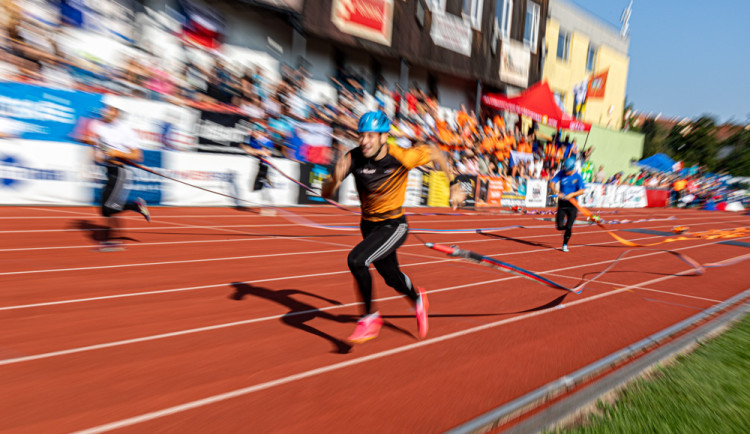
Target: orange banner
489 191
597 85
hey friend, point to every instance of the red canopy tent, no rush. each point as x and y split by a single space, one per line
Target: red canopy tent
538 103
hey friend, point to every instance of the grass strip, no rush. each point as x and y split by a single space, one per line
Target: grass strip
705 391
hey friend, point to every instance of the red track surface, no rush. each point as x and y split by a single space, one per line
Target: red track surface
218 320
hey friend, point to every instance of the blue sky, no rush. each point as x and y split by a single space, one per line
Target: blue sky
687 57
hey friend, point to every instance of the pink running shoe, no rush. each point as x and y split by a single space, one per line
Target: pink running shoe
367 328
421 307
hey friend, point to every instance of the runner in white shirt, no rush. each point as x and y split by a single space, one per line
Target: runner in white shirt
115 143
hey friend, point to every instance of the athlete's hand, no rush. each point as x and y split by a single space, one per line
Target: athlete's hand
458 195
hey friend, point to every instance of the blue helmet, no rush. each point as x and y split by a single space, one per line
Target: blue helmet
569 164
374 122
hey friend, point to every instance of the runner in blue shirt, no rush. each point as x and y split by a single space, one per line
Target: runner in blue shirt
571 185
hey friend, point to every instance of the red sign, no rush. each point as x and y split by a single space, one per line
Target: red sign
367 19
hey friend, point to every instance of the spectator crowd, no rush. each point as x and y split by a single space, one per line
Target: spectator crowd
29 53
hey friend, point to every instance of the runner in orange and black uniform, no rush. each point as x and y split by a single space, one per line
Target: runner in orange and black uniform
380 171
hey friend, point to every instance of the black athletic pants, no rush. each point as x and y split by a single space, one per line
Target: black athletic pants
565 218
381 239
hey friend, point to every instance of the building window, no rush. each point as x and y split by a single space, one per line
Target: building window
591 59
436 5
472 11
503 16
563 45
531 28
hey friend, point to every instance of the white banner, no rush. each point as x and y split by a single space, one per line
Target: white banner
536 193
348 192
633 196
159 125
451 32
414 188
227 174
613 196
525 157
593 196
283 191
44 173
515 59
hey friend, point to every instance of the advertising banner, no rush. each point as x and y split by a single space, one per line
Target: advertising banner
366 19
413 189
515 59
451 32
221 132
41 113
536 193
43 173
348 192
139 183
489 191
592 198
657 198
226 174
438 189
513 194
609 198
468 185
313 175
633 196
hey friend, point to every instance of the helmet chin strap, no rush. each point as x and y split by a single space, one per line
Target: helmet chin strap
380 148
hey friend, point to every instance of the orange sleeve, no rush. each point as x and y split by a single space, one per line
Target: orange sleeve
412 157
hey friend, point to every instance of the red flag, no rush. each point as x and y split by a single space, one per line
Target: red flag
597 85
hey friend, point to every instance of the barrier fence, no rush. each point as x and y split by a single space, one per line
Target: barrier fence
58 173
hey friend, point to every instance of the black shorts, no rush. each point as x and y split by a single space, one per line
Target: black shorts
115 195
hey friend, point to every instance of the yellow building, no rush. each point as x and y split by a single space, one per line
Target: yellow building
579 46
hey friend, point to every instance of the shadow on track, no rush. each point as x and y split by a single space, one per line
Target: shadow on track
96 232
300 312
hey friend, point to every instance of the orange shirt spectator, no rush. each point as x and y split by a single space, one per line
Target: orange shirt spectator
680 185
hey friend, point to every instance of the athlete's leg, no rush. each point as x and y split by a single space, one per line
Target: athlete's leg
394 277
571 213
380 239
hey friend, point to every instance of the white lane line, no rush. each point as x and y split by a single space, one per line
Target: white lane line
253 320
228 258
411 222
636 287
88 246
145 417
275 225
192 288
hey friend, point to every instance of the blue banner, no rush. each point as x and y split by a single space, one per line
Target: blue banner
41 113
140 183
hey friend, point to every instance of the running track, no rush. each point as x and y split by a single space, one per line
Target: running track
218 320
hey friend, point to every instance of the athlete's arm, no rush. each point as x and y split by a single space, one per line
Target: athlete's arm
135 154
553 189
252 151
332 184
575 194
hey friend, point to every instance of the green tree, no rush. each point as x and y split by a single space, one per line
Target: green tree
694 143
738 161
653 142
